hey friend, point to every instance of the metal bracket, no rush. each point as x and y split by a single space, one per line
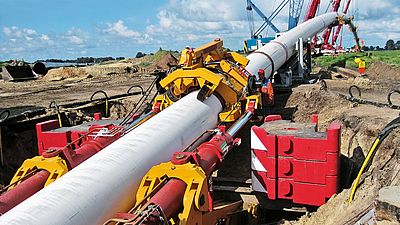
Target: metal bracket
56 166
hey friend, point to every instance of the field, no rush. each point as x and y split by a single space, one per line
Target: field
389 57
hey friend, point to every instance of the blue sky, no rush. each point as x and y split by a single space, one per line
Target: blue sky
67 29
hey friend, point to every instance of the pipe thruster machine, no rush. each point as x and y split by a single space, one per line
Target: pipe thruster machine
159 171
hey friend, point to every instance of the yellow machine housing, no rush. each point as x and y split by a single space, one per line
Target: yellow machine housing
212 70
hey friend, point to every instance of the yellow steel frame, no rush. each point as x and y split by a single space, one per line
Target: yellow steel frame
56 166
184 79
165 101
228 83
196 189
256 98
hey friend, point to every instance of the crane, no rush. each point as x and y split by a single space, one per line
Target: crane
312 9
256 39
339 28
255 34
295 7
328 31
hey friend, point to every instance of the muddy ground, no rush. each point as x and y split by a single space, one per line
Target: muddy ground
360 123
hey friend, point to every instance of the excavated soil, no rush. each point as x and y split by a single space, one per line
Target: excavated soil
64 86
166 62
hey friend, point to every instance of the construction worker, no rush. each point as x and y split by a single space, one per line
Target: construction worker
267 91
185 56
361 65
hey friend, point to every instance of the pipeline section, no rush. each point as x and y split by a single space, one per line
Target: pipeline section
36 182
273 55
107 182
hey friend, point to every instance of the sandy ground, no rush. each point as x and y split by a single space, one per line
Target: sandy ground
40 92
69 84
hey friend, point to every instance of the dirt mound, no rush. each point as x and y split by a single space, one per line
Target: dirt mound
64 73
381 70
309 99
91 71
166 61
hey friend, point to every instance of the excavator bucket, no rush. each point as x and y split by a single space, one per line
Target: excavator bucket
17 73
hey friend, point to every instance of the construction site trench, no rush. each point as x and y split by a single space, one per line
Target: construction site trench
28 103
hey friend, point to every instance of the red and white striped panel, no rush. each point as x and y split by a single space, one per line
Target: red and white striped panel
258 163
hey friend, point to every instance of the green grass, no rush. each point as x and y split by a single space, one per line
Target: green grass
144 64
389 57
156 56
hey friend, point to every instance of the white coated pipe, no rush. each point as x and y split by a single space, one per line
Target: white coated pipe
107 182
273 55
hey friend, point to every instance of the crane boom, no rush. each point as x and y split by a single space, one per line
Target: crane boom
328 31
346 8
312 9
251 6
295 7
271 17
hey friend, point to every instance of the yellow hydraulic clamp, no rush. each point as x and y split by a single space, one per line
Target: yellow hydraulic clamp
211 70
56 166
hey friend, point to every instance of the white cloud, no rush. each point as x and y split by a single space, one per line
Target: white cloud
15 33
29 31
119 29
193 20
75 40
22 42
44 37
7 31
76 37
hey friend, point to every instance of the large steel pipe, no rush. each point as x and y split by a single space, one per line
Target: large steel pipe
36 182
107 182
273 55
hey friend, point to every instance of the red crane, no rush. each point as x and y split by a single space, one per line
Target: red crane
312 9
336 35
327 34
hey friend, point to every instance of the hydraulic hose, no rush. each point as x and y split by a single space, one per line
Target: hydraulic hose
371 153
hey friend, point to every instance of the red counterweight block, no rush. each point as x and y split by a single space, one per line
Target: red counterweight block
50 135
293 161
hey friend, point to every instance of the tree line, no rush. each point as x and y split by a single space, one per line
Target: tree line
390 45
84 60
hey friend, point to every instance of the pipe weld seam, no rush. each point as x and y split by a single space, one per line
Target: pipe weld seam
270 59
284 48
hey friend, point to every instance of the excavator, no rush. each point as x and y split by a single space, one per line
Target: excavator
156 168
